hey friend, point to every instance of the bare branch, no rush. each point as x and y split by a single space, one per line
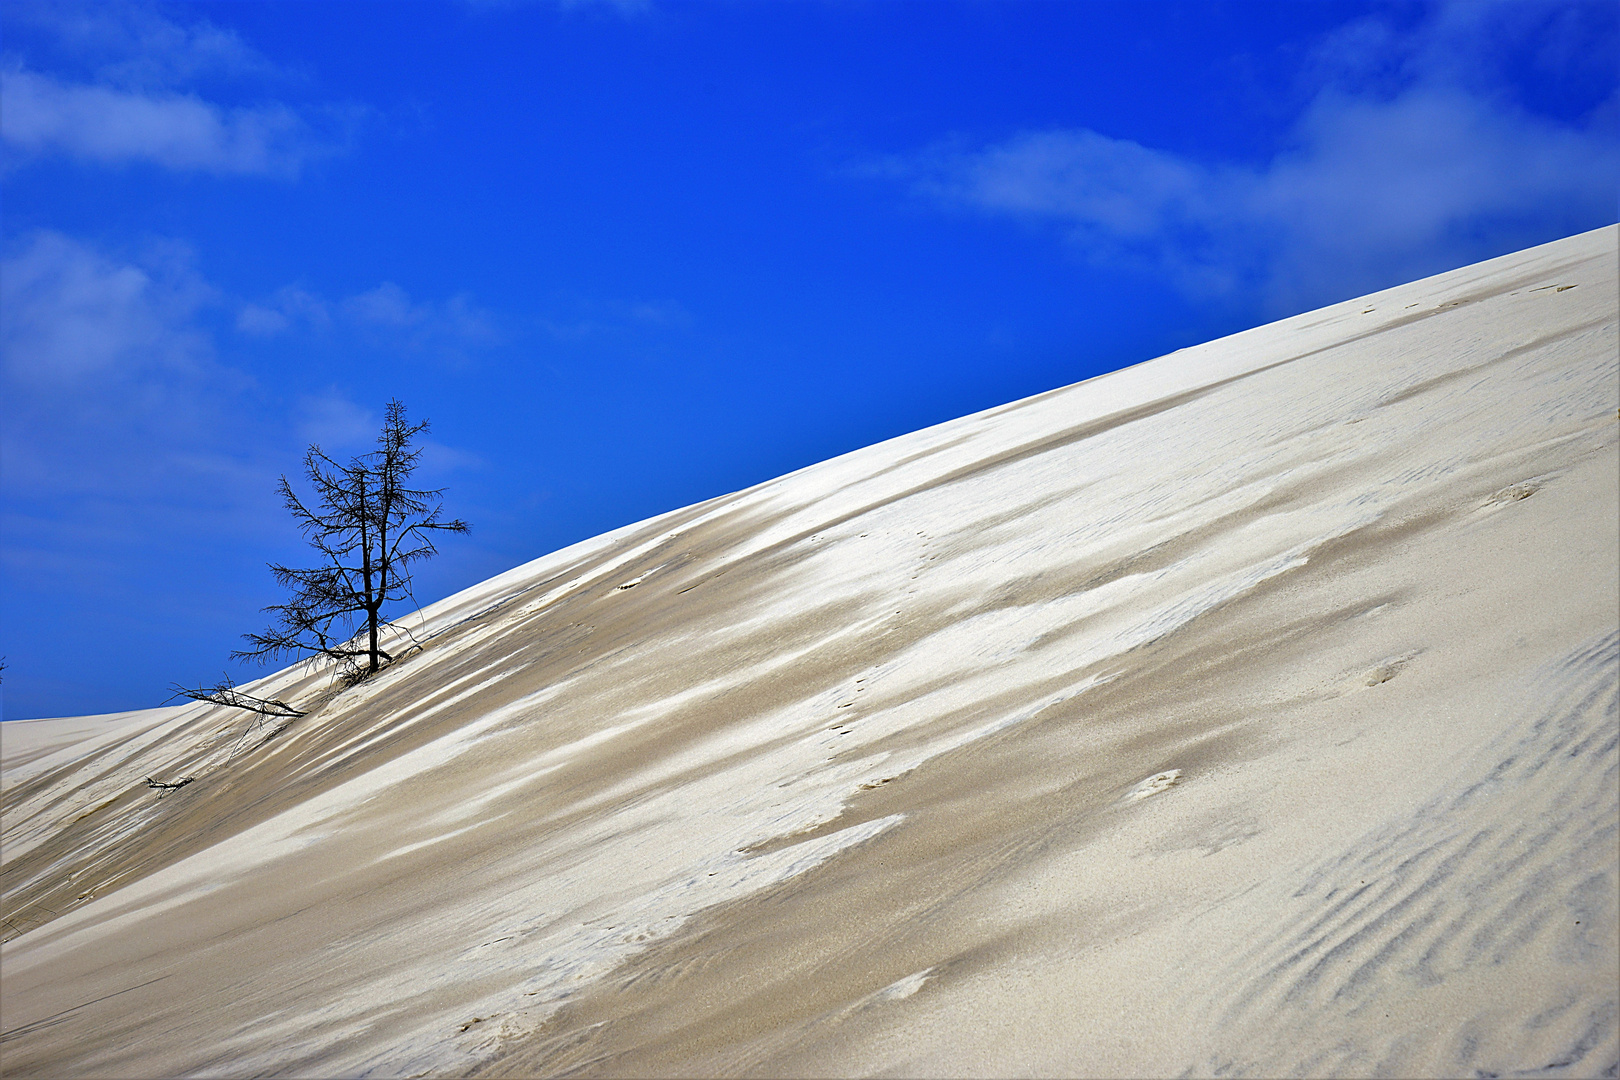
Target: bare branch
225 692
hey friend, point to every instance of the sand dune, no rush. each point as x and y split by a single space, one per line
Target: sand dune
1252 711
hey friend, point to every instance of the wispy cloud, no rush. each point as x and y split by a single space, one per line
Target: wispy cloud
623 7
112 383
290 306
131 44
1404 162
332 420
110 85
389 307
577 318
177 131
73 317
125 439
385 316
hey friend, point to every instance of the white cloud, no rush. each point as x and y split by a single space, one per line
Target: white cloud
575 317
130 44
384 316
386 305
290 306
660 313
333 421
122 432
178 131
339 426
1468 44
1401 165
449 326
111 84
440 461
261 321
70 316
626 8
623 7
1378 184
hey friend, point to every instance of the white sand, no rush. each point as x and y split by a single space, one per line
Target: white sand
1249 711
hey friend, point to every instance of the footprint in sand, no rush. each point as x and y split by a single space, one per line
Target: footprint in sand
1385 670
1162 781
1514 493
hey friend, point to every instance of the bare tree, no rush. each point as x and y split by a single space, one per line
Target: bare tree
369 527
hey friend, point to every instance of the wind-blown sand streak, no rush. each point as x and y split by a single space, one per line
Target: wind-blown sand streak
1251 710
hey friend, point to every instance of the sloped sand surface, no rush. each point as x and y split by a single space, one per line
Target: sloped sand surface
1251 711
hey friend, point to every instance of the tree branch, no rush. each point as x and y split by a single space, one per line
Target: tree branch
225 692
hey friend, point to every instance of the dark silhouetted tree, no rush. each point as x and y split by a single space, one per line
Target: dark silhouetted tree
369 526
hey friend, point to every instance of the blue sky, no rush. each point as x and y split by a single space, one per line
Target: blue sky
632 255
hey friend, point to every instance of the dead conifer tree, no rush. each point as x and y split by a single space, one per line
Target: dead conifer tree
368 526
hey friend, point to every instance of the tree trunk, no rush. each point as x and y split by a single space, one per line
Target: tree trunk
373 601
